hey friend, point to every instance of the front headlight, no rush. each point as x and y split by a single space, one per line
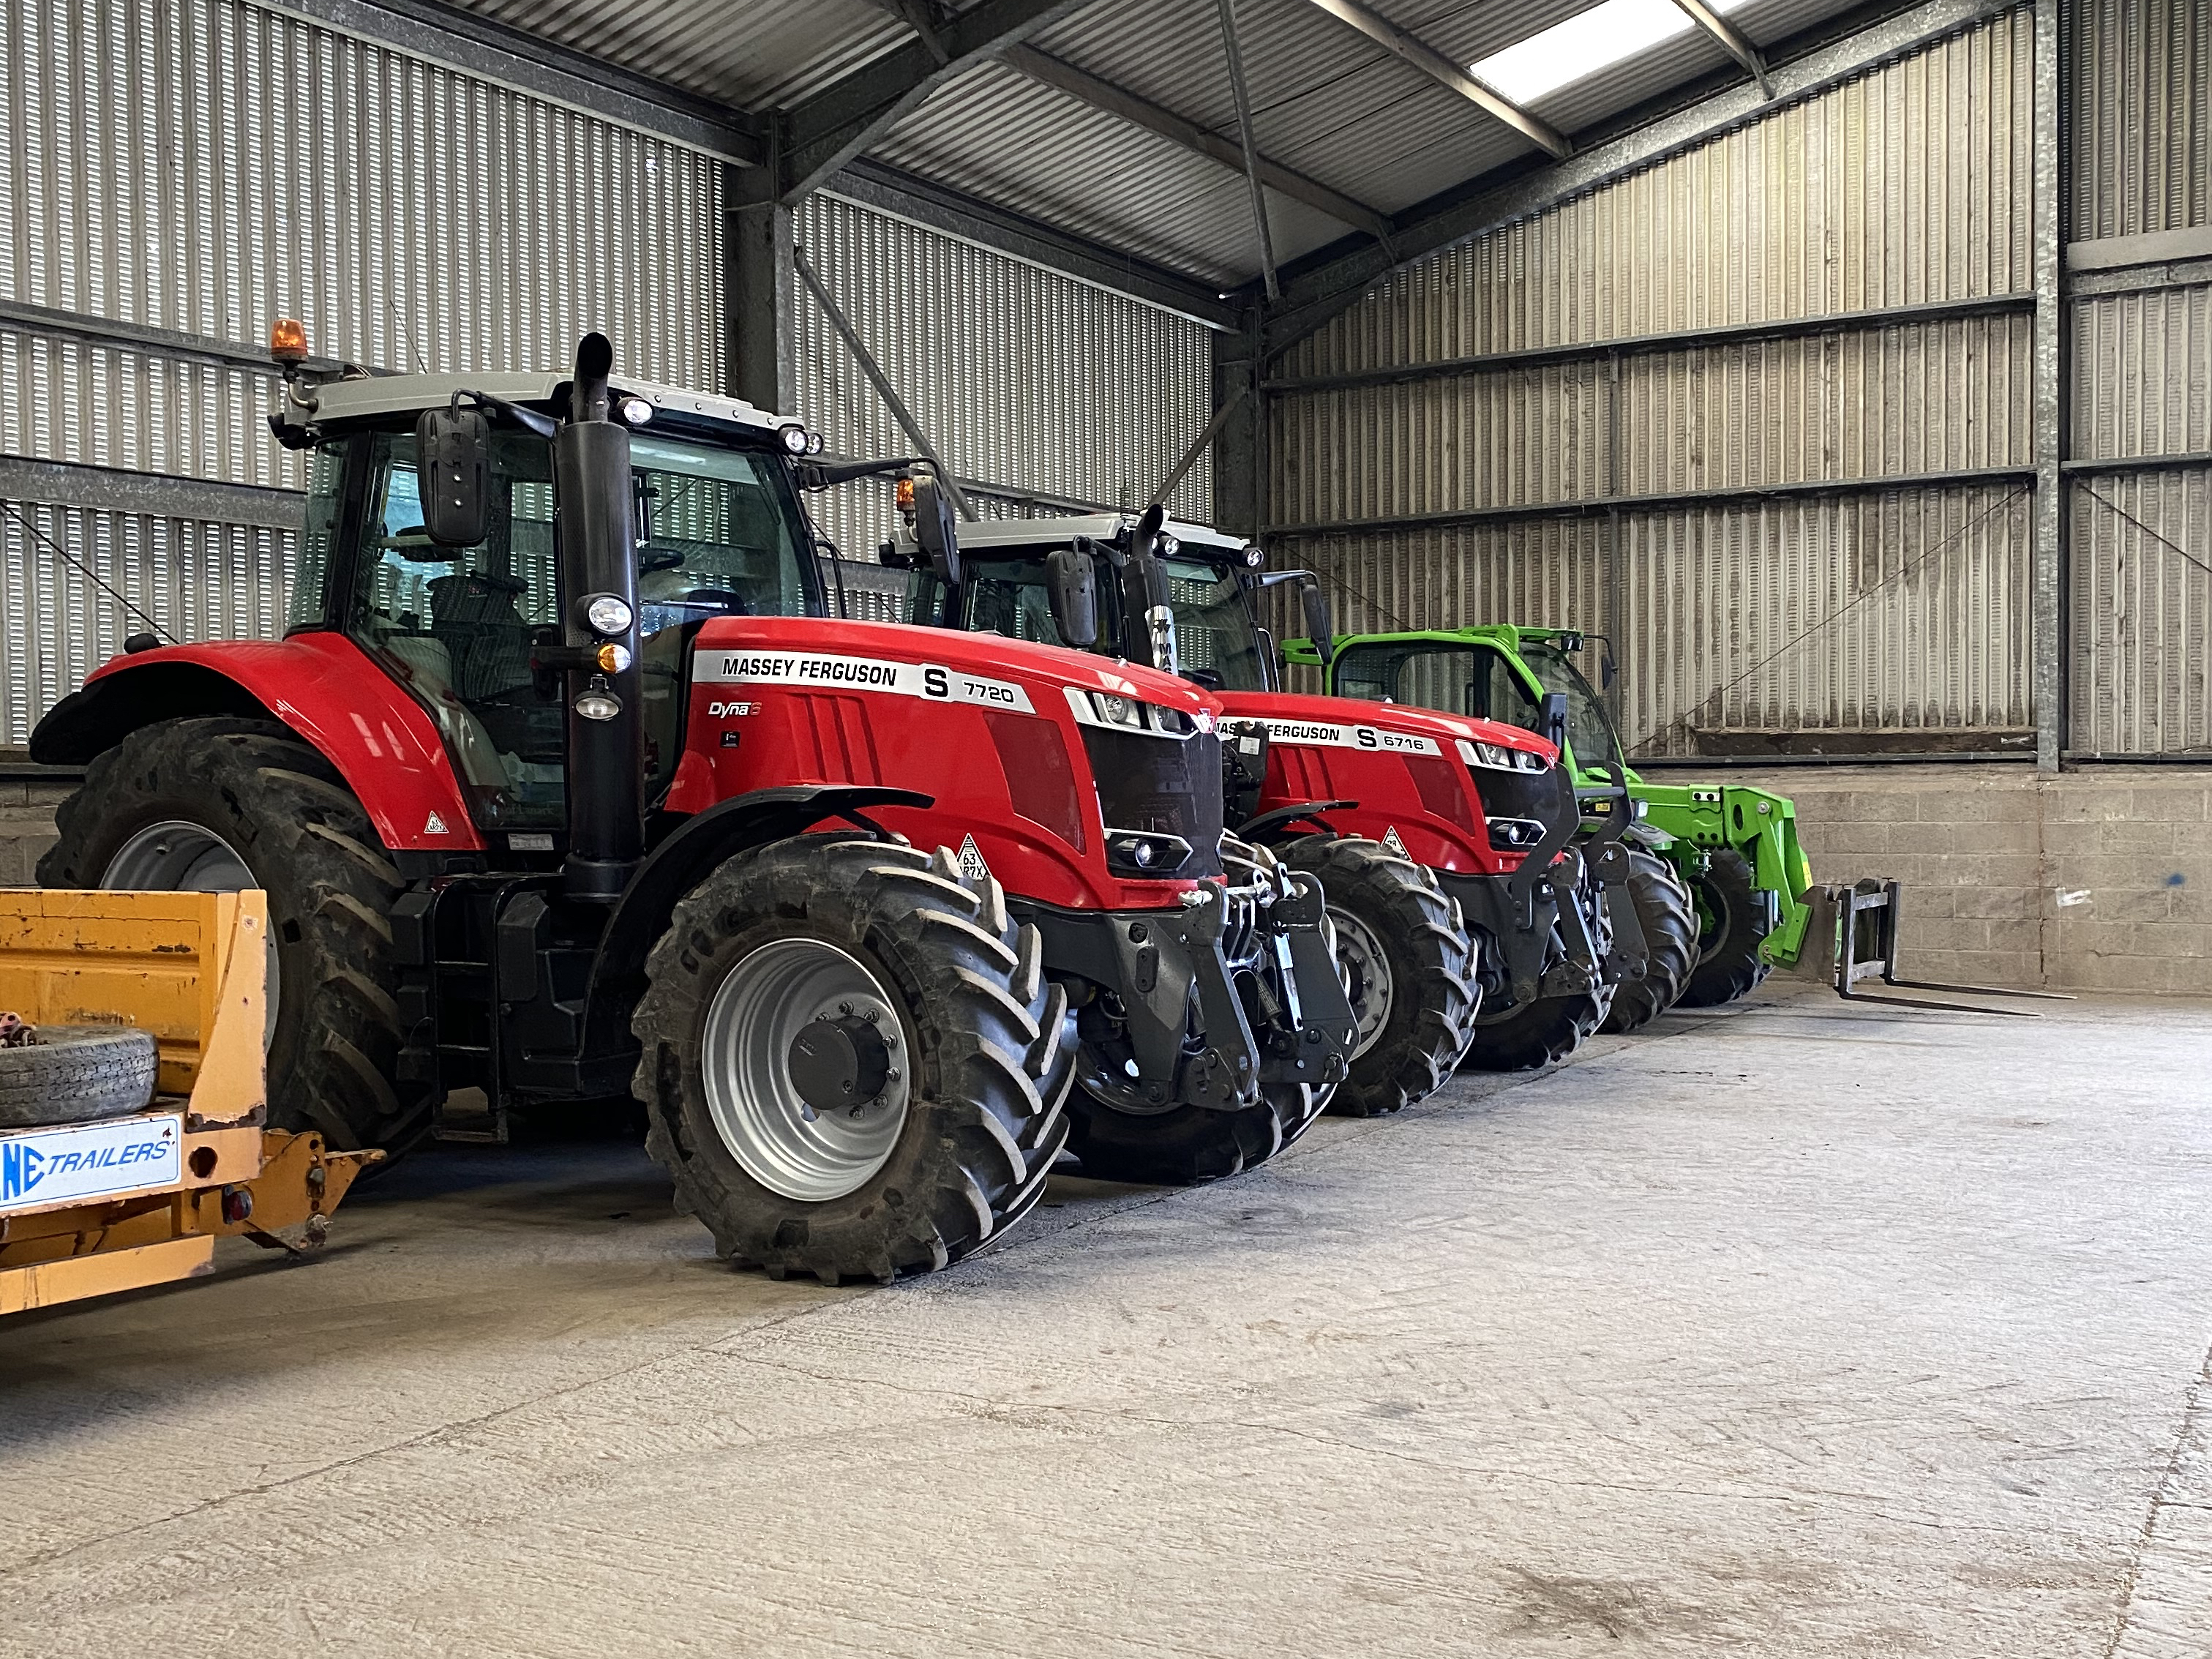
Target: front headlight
1121 714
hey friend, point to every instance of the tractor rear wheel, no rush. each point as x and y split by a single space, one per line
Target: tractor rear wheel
1732 927
1410 966
1670 920
841 1048
215 805
1546 1031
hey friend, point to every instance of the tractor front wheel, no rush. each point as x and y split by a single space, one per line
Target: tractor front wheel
1670 920
1732 926
1410 968
1545 1032
843 1044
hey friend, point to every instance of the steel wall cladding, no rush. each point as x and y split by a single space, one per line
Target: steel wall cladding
2139 596
2142 613
206 166
1863 607
1022 377
1909 183
1897 608
201 581
2141 118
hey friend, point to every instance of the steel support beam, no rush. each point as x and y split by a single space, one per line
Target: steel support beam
1600 505
1689 339
1198 447
1733 41
152 494
908 195
1312 297
490 51
1242 95
880 380
1115 100
1240 455
1440 69
830 129
759 297
2047 612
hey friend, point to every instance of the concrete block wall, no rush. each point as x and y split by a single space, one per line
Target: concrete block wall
26 828
2097 879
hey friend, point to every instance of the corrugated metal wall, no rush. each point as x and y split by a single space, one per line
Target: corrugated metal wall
205 166
1862 607
1022 377
2140 542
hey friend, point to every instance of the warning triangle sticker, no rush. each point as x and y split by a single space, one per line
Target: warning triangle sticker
1390 839
972 867
435 826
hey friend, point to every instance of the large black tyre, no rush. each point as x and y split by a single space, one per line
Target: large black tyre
978 1141
75 1074
1732 925
1186 1145
1670 920
287 815
1545 1032
1417 1016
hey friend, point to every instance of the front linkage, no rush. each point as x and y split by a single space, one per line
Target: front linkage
1204 1039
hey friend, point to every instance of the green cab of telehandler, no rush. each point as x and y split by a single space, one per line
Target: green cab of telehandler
1736 847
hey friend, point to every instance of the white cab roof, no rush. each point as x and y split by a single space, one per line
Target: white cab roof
405 394
985 534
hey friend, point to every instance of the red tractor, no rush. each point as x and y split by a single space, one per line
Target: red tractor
562 786
1472 893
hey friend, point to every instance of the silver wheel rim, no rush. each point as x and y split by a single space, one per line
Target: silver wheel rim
763 1003
1357 947
174 856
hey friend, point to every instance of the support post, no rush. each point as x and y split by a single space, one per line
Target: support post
758 334
1240 446
1616 555
1250 146
2046 652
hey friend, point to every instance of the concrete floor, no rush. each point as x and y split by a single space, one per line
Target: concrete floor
1795 1329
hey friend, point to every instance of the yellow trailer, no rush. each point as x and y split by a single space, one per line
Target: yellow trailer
120 1203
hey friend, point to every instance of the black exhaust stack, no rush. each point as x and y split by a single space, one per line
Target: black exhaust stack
595 527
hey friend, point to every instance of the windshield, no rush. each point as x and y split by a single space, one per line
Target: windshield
1003 596
1215 636
719 534
1477 681
1590 731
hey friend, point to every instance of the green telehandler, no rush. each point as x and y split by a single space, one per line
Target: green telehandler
1735 847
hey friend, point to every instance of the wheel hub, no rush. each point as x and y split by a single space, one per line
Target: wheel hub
839 1063
803 1060
1367 985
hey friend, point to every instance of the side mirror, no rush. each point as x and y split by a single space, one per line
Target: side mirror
1555 728
1073 583
1314 603
1608 671
936 528
452 471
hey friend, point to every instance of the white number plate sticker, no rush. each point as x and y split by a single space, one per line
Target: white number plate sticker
1319 735
76 1163
903 680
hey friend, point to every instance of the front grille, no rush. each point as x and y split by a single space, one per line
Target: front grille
1547 797
1153 785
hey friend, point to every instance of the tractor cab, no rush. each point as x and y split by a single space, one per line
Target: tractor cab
468 628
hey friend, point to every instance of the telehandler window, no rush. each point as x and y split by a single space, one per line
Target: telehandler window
1474 681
